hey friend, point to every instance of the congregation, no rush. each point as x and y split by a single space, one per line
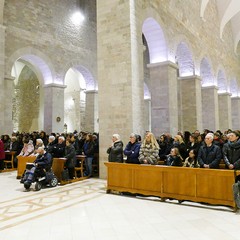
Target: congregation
206 150
55 145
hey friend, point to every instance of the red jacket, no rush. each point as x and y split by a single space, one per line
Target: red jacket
2 153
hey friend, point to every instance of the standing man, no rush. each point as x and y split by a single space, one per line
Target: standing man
231 151
209 155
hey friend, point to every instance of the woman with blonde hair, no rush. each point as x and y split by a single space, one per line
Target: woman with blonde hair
179 143
149 149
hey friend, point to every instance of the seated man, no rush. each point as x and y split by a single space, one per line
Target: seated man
43 161
209 155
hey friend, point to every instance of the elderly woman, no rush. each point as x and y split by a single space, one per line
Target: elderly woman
148 153
115 151
132 149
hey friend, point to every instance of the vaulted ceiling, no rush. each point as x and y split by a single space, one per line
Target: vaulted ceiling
228 11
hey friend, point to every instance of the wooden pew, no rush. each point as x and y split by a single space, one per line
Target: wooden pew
22 164
211 186
58 166
9 158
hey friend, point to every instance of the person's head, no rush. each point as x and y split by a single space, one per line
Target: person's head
13 138
193 138
89 137
197 132
174 152
162 138
216 135
178 138
61 139
209 139
192 153
133 138
39 141
233 136
51 139
68 142
40 150
116 137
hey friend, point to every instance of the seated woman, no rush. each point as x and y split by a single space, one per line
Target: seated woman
39 143
149 150
174 158
132 149
191 161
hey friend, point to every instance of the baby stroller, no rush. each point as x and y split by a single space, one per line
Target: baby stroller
42 177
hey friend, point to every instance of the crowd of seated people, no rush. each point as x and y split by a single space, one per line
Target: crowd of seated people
205 150
66 145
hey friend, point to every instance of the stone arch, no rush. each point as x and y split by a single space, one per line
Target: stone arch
185 60
234 89
222 82
38 60
91 83
206 73
155 38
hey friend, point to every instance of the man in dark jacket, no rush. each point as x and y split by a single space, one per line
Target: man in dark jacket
115 151
231 151
209 155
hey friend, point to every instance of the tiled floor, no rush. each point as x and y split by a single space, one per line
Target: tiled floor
83 210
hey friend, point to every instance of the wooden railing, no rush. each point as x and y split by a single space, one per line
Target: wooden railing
211 186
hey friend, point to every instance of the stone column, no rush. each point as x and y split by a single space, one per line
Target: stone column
235 102
191 103
54 108
164 101
92 111
2 90
225 111
210 113
8 103
120 72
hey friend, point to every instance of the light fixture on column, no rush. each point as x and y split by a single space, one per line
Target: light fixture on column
77 17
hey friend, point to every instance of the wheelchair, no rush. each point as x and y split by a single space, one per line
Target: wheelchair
42 177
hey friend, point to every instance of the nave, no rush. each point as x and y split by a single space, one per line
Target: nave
83 210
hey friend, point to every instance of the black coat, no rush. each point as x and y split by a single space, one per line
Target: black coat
116 152
70 155
231 154
211 157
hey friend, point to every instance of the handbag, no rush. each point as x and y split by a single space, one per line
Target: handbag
65 175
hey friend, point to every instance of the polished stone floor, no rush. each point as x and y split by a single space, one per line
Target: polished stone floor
83 210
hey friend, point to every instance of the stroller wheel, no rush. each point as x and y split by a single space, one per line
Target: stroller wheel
38 186
53 182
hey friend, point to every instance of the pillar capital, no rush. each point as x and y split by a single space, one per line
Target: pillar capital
161 64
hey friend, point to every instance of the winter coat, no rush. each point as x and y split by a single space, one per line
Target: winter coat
174 161
231 154
116 152
212 158
132 152
88 149
70 155
148 153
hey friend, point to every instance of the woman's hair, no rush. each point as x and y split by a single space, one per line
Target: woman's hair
117 136
177 152
153 141
194 152
179 138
